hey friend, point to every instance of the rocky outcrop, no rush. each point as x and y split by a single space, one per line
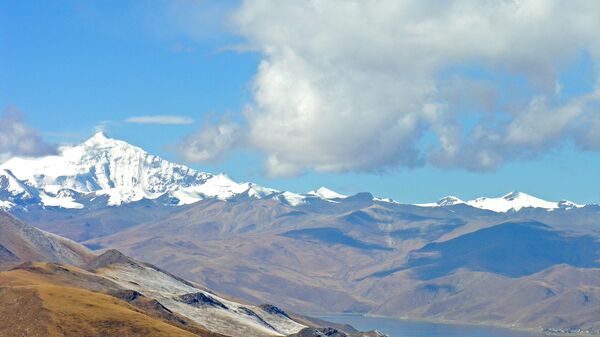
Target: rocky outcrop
331 332
271 309
200 300
110 257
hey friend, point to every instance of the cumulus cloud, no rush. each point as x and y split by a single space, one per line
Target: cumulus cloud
587 135
160 119
17 139
540 126
365 86
211 142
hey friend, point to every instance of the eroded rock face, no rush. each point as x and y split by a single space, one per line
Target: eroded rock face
200 300
110 257
331 332
271 309
127 295
319 332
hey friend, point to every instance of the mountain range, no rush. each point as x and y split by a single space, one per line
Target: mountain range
112 172
515 260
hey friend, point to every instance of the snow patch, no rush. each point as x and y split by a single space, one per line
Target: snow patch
59 201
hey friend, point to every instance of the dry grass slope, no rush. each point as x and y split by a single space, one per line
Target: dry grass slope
35 304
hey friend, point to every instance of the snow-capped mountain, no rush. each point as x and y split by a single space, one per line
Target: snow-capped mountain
103 166
513 201
123 173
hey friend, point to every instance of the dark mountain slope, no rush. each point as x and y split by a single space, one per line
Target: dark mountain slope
511 249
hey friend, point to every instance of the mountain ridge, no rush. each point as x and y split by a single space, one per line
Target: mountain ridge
102 167
513 201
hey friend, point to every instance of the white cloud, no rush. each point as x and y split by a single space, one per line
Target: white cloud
210 143
17 139
103 126
160 119
587 135
358 85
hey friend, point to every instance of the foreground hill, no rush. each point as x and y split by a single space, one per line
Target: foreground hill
47 299
117 295
44 299
112 294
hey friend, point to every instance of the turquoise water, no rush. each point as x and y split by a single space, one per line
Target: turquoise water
403 328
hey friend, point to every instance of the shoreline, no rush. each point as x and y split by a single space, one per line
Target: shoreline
540 331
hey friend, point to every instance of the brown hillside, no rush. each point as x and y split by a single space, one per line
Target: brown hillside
34 303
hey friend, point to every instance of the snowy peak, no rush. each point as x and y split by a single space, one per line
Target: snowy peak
220 187
449 201
566 204
515 195
99 138
105 166
325 193
513 201
445 201
292 199
321 193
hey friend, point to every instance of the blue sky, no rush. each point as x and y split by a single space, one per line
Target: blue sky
71 67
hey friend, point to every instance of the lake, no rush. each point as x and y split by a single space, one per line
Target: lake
405 328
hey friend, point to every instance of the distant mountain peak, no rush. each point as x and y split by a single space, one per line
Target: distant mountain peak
566 204
445 201
513 201
104 166
100 139
325 193
99 136
449 201
515 195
